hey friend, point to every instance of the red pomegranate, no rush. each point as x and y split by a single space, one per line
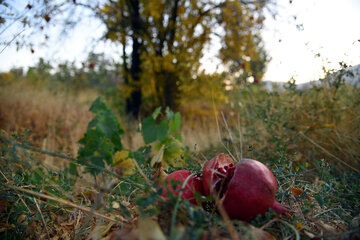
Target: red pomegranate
194 184
246 190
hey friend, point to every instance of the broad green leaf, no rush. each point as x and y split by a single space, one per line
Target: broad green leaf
178 137
152 131
172 153
149 130
102 138
175 123
162 130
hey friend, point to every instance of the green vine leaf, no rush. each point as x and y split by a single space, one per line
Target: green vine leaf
102 138
175 123
152 131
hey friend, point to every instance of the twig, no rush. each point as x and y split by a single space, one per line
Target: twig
216 119
225 216
297 235
31 148
110 217
96 203
355 230
11 41
268 224
218 128
328 210
140 171
327 152
231 137
28 147
7 180
240 139
21 199
42 218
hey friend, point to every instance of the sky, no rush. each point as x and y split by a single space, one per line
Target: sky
323 34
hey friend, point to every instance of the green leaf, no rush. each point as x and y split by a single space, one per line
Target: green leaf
102 138
175 123
162 130
149 130
152 131
169 113
73 170
156 112
178 137
172 152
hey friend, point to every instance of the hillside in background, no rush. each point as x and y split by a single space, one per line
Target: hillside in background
349 75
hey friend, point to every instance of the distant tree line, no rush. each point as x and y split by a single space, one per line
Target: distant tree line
162 43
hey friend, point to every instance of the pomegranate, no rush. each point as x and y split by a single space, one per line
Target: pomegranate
216 171
246 190
194 184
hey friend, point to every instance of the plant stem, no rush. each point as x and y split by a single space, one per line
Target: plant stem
109 217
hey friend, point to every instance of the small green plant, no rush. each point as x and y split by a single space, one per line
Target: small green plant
101 140
165 134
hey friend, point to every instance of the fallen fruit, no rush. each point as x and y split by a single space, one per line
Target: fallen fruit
216 171
246 190
194 184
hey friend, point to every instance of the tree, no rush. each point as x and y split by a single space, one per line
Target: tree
163 41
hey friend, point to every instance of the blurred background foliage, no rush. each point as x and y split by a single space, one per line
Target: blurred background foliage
161 44
310 124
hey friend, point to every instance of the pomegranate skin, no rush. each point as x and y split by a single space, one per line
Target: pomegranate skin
251 191
220 163
193 185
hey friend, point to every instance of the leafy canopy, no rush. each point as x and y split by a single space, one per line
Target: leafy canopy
170 38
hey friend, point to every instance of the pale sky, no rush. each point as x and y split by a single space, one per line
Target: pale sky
329 28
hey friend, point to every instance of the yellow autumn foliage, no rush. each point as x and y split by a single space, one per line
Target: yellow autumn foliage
123 163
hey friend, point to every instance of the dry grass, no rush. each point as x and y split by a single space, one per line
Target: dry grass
313 125
317 124
56 121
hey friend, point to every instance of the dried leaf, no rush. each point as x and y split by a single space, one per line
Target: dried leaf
299 225
297 192
123 163
149 230
125 233
328 125
158 156
260 234
313 126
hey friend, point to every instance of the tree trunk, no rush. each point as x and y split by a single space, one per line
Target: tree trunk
171 90
133 103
